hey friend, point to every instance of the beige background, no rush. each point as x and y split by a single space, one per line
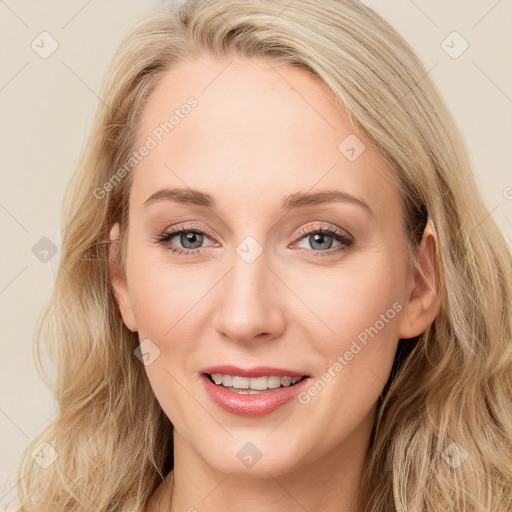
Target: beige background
47 106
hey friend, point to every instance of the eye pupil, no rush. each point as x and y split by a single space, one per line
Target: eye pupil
317 238
190 236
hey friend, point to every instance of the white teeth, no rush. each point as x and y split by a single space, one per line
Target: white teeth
286 381
273 382
239 382
258 383
227 380
255 383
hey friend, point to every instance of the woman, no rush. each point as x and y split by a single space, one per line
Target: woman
279 288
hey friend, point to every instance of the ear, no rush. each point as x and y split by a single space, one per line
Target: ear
119 281
421 306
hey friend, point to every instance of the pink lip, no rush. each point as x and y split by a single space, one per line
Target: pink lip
251 405
258 371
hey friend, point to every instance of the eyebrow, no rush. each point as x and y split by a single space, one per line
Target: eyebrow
291 202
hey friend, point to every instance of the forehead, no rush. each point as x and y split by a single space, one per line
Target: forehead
257 128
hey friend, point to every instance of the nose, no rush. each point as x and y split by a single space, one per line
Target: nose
250 302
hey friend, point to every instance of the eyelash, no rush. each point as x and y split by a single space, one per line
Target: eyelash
346 242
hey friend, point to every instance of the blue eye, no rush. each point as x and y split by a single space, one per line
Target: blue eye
190 239
320 239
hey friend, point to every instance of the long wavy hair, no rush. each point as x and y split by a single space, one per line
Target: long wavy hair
442 435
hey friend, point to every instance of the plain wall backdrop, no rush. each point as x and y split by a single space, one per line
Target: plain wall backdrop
54 60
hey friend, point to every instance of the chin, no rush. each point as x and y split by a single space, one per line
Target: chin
257 458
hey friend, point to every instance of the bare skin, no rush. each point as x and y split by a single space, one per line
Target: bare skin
262 131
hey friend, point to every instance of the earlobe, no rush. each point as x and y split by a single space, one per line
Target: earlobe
118 280
422 304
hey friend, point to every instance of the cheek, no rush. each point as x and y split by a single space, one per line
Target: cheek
165 295
356 339
343 301
167 301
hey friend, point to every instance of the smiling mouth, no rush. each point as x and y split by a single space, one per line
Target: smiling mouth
253 385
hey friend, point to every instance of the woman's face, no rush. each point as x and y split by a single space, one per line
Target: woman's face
271 269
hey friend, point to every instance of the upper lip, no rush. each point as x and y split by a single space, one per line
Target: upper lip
255 371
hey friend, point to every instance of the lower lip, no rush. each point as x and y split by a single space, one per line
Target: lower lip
252 405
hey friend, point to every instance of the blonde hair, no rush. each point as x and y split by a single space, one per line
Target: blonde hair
449 392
